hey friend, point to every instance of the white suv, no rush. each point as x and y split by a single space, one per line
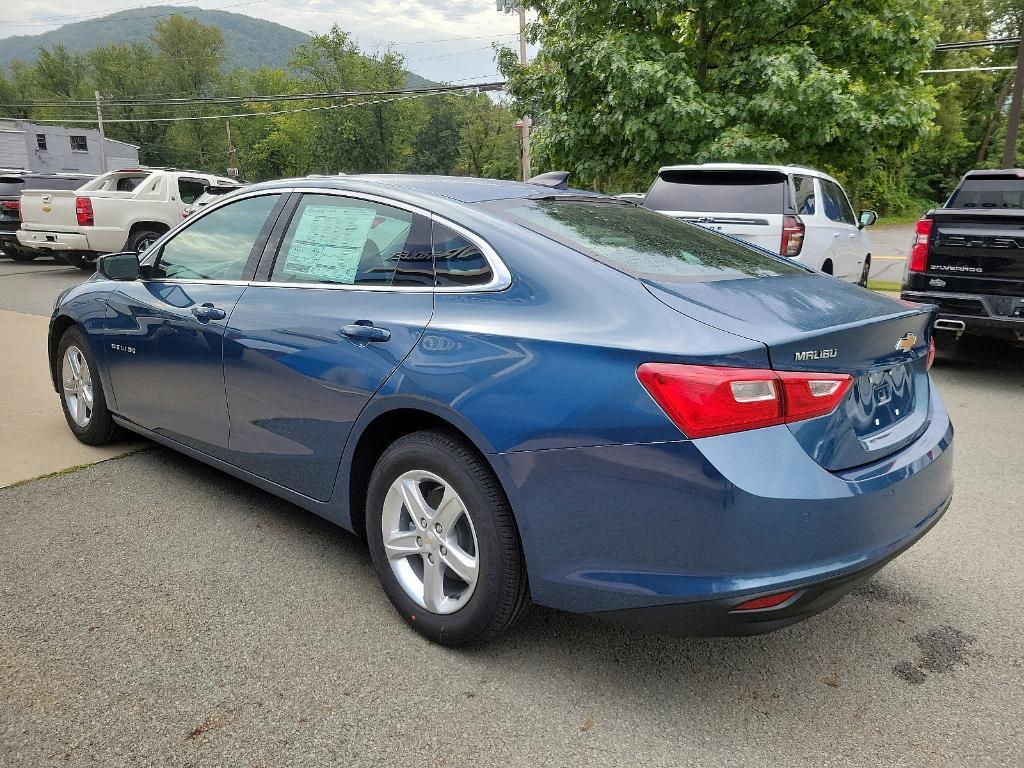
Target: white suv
800 213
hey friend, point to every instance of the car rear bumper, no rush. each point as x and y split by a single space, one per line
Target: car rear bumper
975 314
53 241
691 528
719 617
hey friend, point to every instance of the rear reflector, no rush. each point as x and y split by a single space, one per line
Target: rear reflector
919 249
761 603
792 235
705 400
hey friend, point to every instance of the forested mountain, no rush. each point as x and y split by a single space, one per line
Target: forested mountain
250 43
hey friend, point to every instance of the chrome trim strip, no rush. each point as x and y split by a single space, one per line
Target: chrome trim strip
501 277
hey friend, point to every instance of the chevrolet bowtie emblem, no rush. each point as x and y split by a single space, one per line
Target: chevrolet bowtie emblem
906 343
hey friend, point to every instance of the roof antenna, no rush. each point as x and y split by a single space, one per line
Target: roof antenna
553 179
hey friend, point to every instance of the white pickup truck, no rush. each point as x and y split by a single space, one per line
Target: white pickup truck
118 211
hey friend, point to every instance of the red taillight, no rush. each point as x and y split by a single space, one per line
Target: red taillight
931 352
919 250
704 400
769 601
792 235
14 206
83 210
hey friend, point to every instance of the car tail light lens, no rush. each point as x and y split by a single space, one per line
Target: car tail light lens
768 601
809 395
83 210
10 205
792 235
704 400
931 352
919 250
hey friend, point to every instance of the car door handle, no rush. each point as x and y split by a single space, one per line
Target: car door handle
364 331
208 312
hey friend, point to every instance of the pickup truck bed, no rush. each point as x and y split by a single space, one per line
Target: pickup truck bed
968 258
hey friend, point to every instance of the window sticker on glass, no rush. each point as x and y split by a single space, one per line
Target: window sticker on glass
328 243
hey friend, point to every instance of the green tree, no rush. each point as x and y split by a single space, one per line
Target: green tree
619 89
188 61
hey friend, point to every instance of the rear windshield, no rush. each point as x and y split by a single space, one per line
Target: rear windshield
1000 192
719 192
55 182
639 241
10 187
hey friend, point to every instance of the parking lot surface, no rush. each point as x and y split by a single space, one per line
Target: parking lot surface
154 611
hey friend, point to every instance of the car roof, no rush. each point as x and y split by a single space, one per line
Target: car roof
996 173
460 189
803 170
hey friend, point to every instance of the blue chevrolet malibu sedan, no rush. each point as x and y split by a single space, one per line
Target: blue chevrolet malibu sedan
522 394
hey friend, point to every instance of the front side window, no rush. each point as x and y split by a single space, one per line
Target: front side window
347 241
641 242
218 245
837 207
79 144
457 261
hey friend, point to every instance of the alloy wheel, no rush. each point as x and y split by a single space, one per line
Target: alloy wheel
78 392
430 542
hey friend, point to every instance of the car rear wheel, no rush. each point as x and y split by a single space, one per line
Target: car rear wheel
141 240
20 254
85 407
443 540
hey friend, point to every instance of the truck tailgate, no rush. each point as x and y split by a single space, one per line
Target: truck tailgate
49 210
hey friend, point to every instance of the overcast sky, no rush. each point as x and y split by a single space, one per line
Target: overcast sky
373 22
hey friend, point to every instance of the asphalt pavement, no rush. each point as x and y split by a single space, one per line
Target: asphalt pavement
154 611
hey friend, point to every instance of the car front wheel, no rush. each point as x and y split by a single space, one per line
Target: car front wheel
443 540
85 407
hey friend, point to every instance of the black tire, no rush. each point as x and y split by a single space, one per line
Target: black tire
865 273
100 428
501 593
141 239
20 254
827 267
80 261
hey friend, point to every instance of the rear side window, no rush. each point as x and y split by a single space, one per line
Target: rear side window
457 261
642 242
348 241
189 190
803 188
719 192
1002 192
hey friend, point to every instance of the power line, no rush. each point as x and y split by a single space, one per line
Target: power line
191 101
990 42
243 114
965 69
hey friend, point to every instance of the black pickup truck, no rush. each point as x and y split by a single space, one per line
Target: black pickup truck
968 257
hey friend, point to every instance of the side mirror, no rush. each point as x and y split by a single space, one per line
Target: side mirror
119 266
867 218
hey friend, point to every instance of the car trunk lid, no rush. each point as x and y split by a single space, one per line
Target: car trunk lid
811 322
49 210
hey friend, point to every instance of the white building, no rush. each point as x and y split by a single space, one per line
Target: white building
55 149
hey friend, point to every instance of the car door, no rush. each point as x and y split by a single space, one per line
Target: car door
163 334
348 293
846 234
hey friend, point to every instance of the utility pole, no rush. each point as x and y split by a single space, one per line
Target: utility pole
510 6
103 136
1013 126
232 154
